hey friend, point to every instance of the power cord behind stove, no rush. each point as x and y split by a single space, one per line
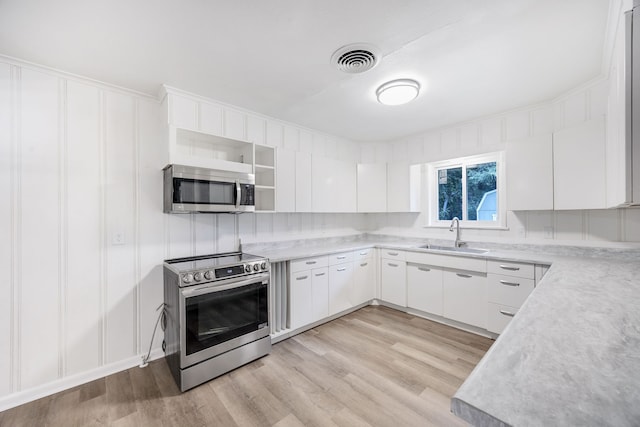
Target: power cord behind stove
162 316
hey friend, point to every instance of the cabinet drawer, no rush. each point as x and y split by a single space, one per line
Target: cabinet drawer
340 258
392 254
508 268
308 263
448 261
509 290
363 254
499 317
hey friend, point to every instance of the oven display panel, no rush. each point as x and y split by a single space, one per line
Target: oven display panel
229 271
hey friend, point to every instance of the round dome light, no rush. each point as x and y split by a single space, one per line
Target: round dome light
398 92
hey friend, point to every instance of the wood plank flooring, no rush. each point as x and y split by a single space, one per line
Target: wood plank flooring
373 367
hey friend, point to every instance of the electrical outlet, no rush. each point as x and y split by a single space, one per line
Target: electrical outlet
548 232
118 238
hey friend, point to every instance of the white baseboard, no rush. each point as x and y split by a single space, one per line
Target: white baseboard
29 395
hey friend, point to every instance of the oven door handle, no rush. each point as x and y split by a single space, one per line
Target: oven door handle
209 288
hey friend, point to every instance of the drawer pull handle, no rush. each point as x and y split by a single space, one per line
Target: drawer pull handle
507 313
508 267
424 269
466 276
311 262
364 253
301 277
342 269
320 274
393 253
504 282
392 265
364 264
341 257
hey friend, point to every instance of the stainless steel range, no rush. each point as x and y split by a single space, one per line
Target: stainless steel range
217 315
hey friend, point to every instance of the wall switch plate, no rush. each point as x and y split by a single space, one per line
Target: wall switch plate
548 232
118 238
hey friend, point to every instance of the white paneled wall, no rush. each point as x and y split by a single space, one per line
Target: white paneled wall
80 168
82 231
490 134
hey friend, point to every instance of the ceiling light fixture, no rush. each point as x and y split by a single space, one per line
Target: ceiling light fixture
398 92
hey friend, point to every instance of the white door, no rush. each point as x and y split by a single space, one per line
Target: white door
320 293
340 279
465 297
363 288
301 306
393 281
424 288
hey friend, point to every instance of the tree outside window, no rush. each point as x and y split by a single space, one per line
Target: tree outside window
468 191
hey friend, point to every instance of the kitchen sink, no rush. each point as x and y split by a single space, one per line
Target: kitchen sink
454 249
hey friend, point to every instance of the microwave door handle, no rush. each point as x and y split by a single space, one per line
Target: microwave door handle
238 194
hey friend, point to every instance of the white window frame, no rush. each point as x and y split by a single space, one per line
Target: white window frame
432 190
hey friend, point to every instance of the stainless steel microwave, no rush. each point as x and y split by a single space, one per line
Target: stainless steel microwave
191 189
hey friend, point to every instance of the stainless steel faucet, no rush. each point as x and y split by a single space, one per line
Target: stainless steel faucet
456 221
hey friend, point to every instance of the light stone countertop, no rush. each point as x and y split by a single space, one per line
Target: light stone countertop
571 356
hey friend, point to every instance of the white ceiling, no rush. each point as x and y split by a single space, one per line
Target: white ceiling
473 57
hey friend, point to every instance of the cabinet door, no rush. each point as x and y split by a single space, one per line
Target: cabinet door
285 180
301 307
530 174
333 184
465 297
393 281
363 288
579 166
340 279
372 187
424 288
303 182
403 187
320 293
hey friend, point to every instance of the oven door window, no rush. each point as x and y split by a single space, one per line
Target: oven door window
216 317
203 192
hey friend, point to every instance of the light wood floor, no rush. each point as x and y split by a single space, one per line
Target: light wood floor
376 366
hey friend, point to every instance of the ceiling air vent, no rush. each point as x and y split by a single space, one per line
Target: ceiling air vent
356 58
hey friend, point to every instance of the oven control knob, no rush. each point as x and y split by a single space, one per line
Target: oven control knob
208 275
197 277
247 268
256 267
187 278
263 266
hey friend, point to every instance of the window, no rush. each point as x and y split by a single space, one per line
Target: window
468 188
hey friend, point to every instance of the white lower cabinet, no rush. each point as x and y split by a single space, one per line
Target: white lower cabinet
465 297
301 299
364 280
340 279
319 293
424 288
308 291
393 281
508 286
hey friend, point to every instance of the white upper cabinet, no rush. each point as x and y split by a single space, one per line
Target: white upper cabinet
286 180
372 187
333 183
303 182
579 166
403 187
530 174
